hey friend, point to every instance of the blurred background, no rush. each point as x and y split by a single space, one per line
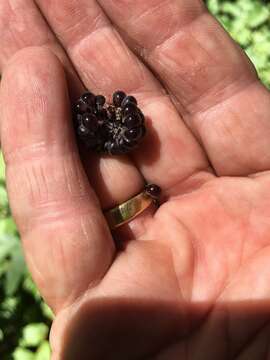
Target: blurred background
24 318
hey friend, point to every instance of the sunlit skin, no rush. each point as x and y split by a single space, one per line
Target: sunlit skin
191 279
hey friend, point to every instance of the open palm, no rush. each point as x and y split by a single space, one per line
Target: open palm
191 279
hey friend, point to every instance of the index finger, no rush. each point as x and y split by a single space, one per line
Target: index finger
66 239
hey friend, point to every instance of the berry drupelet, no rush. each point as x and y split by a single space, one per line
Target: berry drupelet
118 97
115 128
152 190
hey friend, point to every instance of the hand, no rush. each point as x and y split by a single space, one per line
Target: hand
192 280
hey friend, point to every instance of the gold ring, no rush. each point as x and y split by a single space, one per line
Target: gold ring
128 210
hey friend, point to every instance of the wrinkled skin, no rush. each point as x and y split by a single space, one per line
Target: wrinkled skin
191 279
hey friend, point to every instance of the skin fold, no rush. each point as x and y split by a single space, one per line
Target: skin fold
190 279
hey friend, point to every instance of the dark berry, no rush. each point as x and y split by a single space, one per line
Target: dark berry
132 121
133 134
95 112
129 109
118 97
82 131
112 148
80 107
100 101
111 113
141 116
107 146
102 115
91 141
78 119
114 128
153 190
122 148
90 121
88 98
128 100
127 144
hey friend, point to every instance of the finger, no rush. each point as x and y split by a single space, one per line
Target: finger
105 63
212 80
67 243
22 25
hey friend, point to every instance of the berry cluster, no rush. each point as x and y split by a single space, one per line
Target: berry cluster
115 128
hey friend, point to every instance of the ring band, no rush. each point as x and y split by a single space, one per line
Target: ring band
128 210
